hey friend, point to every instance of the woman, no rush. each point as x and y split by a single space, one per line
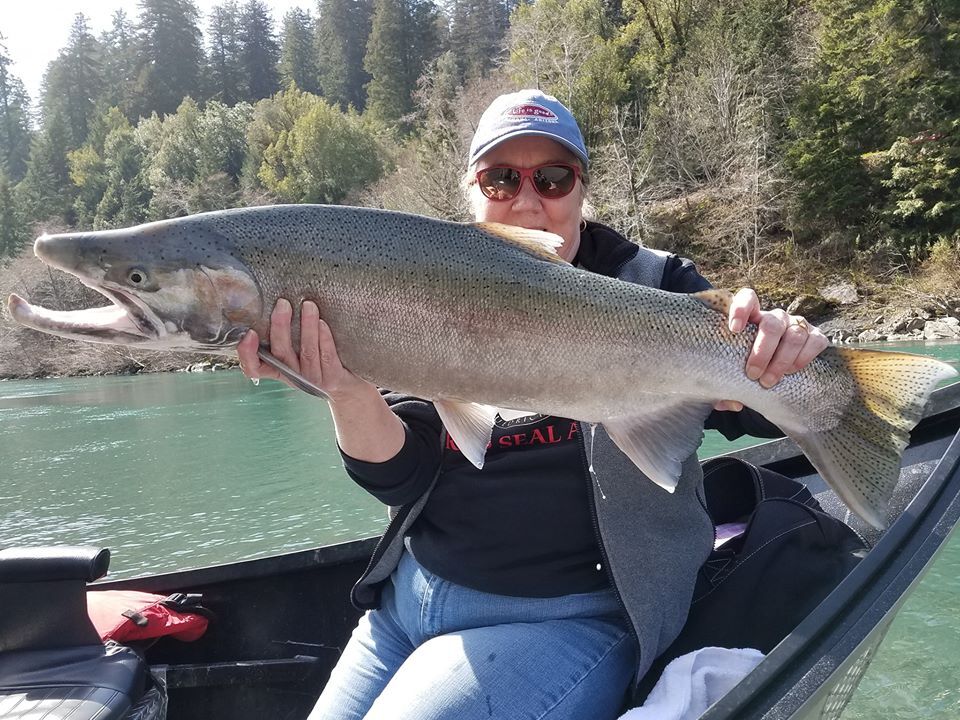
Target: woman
530 588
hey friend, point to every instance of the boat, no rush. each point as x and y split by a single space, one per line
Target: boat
279 623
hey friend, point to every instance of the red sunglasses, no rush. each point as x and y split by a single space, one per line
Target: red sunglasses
551 181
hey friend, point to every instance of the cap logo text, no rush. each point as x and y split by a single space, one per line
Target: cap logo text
531 111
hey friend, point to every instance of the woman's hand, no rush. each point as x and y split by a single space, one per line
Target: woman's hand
317 360
785 343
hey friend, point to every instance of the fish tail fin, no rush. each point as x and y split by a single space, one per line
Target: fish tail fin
860 456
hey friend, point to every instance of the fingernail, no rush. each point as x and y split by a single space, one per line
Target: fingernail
736 325
753 372
283 304
768 381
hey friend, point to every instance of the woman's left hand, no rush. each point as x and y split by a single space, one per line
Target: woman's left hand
784 344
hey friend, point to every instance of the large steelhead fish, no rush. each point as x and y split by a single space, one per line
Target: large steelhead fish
481 317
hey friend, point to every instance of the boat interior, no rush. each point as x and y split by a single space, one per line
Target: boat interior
278 624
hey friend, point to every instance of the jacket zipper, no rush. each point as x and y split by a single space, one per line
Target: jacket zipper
603 550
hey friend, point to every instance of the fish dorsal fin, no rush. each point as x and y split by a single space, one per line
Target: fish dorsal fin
659 440
719 300
536 242
470 425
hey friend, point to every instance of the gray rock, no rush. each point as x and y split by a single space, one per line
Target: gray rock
939 330
915 325
842 293
810 306
869 336
951 321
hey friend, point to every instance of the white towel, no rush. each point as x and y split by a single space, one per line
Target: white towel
695 681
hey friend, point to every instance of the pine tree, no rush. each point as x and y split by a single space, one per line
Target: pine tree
402 41
298 63
259 51
225 72
341 40
170 53
14 120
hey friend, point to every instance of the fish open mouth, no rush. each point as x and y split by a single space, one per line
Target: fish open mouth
127 321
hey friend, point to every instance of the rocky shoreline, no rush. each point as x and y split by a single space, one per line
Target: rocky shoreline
845 317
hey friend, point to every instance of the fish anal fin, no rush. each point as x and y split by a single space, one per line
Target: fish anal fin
536 242
470 425
716 299
660 439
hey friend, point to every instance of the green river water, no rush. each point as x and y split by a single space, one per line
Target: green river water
175 471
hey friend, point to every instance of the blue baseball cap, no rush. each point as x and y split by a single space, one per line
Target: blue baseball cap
527 112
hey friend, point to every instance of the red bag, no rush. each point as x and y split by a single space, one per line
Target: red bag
128 615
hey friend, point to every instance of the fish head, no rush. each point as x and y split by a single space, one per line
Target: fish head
173 285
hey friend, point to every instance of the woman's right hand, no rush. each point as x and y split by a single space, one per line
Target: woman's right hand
317 360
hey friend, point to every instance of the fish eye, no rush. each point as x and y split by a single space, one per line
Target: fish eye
137 277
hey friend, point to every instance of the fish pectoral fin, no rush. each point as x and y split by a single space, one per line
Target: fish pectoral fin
507 414
658 441
536 242
295 378
470 425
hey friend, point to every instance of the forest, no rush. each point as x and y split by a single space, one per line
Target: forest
774 141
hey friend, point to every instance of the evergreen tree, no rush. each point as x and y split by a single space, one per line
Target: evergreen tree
225 72
876 142
88 165
74 81
14 121
46 191
259 51
170 54
341 40
402 41
125 191
477 32
13 233
119 62
298 62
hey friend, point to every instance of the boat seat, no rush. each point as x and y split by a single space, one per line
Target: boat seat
53 664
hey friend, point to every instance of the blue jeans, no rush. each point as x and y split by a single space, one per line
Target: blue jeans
440 651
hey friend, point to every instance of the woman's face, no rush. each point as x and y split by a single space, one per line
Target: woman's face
528 209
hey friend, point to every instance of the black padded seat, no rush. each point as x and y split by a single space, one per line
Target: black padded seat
52 663
90 682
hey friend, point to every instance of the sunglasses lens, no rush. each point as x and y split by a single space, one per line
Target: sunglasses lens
499 183
554 181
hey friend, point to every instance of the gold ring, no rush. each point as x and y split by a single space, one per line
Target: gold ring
801 322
